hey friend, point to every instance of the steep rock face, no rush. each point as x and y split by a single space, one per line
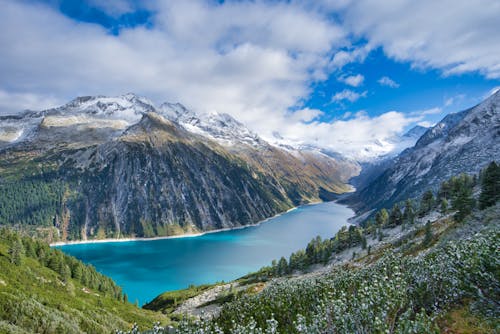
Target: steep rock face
114 167
301 171
461 143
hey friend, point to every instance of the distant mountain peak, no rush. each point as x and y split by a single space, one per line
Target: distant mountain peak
221 127
462 142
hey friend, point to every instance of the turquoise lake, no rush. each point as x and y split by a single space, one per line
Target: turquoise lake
146 268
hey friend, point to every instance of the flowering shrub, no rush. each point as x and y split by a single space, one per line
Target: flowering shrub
394 295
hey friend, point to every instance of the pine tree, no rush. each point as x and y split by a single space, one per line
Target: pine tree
490 186
464 202
396 217
444 206
427 234
409 213
426 203
363 242
16 252
381 217
282 266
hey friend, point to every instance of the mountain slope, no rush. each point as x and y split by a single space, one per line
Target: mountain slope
44 291
113 167
461 143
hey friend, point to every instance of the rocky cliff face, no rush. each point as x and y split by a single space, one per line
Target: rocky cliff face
463 142
114 167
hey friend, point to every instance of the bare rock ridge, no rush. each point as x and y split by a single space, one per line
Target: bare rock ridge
119 167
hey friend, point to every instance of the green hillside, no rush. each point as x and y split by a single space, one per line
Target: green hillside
44 291
431 267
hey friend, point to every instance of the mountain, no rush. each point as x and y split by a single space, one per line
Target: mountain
462 142
220 127
309 167
118 166
372 169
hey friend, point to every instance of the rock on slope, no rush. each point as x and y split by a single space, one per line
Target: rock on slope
463 142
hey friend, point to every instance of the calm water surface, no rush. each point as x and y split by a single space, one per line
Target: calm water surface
146 268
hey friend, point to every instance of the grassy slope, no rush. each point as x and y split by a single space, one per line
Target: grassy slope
33 298
282 299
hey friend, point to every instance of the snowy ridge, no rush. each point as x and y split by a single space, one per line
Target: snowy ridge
221 127
117 114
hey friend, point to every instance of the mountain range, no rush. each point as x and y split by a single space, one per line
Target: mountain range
118 166
462 142
101 167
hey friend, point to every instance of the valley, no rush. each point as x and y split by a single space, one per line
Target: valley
194 217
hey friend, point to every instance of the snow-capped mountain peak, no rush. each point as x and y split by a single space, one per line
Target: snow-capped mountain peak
128 107
221 127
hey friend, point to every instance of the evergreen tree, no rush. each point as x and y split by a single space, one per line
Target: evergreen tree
444 206
380 234
464 202
382 217
427 234
396 217
282 266
490 186
426 203
363 242
16 252
409 213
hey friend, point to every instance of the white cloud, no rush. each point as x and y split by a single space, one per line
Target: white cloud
454 36
493 91
348 95
426 124
16 102
113 7
344 57
426 112
353 80
361 137
251 60
453 100
305 115
386 81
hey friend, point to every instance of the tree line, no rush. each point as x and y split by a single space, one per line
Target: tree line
454 195
22 247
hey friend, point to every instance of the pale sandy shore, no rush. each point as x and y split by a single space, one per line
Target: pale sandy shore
187 235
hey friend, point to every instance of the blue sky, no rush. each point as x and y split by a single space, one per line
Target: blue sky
333 73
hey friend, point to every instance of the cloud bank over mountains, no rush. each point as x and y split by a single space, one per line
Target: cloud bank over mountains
257 61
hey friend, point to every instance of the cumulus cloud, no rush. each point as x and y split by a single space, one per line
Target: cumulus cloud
251 60
306 115
426 124
453 36
113 7
16 102
348 95
353 80
386 81
360 137
254 60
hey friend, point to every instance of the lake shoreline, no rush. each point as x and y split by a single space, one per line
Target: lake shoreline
187 235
